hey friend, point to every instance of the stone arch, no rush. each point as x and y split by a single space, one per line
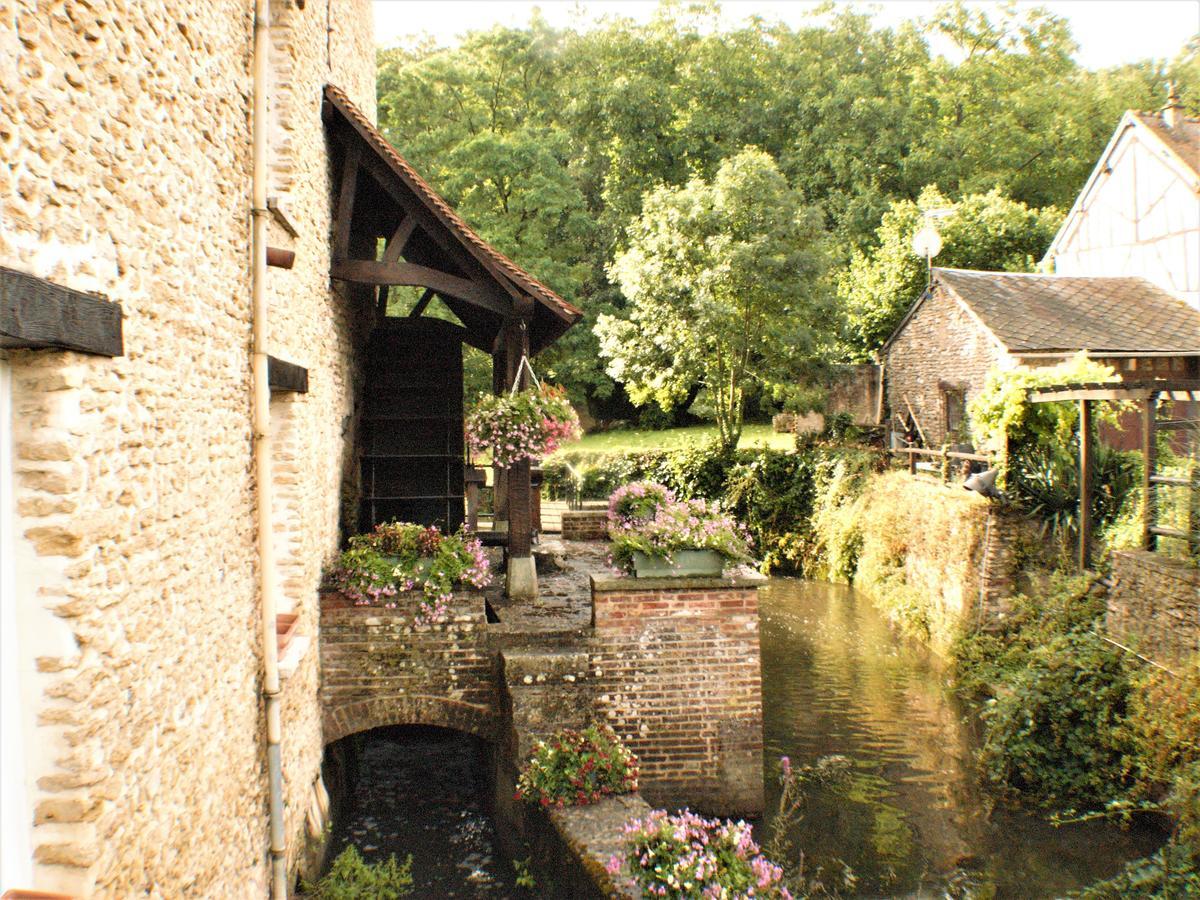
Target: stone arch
418 709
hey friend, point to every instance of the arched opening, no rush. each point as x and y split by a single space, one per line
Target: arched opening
424 791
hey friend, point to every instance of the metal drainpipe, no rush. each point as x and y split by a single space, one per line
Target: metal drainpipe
262 447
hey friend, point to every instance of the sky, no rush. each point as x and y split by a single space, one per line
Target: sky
1109 32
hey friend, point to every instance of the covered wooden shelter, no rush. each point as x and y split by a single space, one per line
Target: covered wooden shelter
1148 394
392 229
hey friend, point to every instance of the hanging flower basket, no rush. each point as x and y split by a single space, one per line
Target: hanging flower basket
525 425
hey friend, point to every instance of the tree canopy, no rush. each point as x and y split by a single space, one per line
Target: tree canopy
723 284
547 140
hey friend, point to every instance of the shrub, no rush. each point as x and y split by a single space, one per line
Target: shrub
523 425
637 502
352 878
403 556
686 856
577 767
681 525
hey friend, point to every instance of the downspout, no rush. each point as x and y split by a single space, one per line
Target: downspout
264 482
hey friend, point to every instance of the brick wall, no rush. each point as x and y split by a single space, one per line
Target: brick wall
1154 606
379 668
585 525
941 343
125 129
676 673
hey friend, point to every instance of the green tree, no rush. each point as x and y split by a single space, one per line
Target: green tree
983 231
723 279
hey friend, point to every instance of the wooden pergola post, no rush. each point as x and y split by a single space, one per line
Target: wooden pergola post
1086 465
1150 463
522 573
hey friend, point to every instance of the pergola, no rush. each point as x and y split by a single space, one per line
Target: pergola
392 229
1148 394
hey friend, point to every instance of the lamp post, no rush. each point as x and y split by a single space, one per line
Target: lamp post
927 242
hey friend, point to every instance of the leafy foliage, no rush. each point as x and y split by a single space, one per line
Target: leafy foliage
722 280
352 878
577 767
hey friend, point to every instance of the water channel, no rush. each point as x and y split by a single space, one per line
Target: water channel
910 822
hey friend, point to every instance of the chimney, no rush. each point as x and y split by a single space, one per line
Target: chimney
1172 113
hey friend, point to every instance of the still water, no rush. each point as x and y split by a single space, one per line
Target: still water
911 821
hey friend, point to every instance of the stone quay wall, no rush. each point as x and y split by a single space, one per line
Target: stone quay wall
125 131
585 525
1154 606
380 668
676 672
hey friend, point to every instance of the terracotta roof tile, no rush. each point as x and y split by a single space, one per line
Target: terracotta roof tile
1060 312
481 249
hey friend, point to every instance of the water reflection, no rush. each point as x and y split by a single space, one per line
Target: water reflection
422 791
912 822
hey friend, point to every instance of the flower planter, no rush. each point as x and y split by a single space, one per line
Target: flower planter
684 563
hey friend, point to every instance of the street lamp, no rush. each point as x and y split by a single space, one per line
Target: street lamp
927 242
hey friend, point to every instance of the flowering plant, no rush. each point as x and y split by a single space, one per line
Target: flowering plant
403 556
577 767
637 502
525 425
673 525
686 856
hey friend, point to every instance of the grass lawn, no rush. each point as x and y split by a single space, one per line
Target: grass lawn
674 438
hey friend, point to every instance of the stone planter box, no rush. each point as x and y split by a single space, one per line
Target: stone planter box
684 564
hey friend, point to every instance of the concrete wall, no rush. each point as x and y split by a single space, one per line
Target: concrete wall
942 344
1154 606
1140 216
125 130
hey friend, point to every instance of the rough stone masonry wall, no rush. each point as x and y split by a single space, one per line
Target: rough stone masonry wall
1154 606
942 342
676 672
380 668
126 138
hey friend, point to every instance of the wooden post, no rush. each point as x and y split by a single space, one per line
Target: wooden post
522 573
1150 460
1085 483
912 462
499 475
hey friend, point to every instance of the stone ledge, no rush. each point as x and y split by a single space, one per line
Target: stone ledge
593 834
744 578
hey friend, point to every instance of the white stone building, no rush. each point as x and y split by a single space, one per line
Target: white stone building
1139 212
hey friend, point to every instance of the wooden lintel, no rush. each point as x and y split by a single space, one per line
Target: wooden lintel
395 246
345 207
421 304
36 313
286 376
364 271
1113 393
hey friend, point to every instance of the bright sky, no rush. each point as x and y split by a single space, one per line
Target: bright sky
1109 32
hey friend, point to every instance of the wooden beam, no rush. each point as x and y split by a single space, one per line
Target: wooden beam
1085 483
345 207
381 301
40 314
286 376
1149 463
421 304
1113 393
363 271
395 247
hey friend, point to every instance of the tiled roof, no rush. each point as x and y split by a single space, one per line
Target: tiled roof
491 258
1183 139
1033 313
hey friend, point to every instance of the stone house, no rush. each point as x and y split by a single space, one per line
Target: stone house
176 198
1125 288
968 323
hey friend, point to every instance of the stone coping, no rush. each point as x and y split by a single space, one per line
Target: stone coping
594 833
743 578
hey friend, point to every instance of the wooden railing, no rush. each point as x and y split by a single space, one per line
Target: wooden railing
943 454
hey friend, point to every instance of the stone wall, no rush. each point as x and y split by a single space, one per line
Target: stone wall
126 136
380 668
1154 606
585 525
941 346
855 391
677 674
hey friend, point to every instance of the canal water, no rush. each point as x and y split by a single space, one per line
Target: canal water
909 822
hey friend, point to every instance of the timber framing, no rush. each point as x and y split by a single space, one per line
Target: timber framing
391 229
38 314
